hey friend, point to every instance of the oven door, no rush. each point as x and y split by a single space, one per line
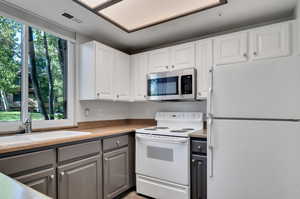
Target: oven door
163 157
163 86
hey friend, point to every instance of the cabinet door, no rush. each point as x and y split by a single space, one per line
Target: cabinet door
81 179
121 77
183 56
270 41
139 76
199 177
87 70
204 63
42 181
105 61
116 172
159 60
231 48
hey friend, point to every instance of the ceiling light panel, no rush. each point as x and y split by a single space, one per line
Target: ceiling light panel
92 4
133 15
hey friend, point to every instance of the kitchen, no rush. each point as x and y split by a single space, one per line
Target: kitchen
196 101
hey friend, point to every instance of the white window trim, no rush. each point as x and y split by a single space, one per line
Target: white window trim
12 126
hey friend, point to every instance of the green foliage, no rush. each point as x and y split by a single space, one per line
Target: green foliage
10 55
56 70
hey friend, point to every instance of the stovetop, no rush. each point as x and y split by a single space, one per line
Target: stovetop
178 132
179 124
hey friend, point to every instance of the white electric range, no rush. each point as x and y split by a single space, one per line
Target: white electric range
163 154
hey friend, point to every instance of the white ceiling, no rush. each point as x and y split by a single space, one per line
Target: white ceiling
235 14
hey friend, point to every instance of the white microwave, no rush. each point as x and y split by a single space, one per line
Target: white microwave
172 85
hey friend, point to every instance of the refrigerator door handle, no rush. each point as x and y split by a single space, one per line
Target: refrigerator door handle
210 145
210 91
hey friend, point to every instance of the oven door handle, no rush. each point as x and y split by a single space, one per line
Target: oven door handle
154 138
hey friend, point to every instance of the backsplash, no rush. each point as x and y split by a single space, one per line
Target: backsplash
105 110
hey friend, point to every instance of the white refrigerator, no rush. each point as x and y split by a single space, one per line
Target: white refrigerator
254 130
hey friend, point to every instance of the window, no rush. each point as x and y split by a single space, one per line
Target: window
34 76
47 80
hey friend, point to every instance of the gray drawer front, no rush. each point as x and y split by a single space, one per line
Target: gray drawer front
115 143
199 146
20 163
78 150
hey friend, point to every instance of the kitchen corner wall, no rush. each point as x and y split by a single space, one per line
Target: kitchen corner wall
107 110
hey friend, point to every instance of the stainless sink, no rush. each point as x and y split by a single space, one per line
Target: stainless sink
14 140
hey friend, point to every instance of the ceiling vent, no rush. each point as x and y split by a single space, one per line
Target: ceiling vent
71 17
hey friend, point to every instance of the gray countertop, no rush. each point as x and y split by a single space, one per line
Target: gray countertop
12 189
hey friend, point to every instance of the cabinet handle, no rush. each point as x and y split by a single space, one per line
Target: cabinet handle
255 53
193 160
200 163
167 67
245 55
199 93
173 66
199 147
98 94
118 96
51 177
145 96
62 174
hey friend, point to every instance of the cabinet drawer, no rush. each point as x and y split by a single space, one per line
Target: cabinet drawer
199 146
78 150
115 143
25 162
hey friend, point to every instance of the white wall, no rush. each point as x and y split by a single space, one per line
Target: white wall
147 110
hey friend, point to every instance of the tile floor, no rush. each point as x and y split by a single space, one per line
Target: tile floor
133 195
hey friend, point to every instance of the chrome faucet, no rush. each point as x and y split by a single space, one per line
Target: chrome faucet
27 125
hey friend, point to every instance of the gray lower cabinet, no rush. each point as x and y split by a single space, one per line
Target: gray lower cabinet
199 177
43 181
116 172
80 179
199 169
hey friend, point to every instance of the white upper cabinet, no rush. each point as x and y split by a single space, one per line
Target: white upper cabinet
121 78
232 48
105 61
159 60
270 41
87 71
139 70
183 56
204 62
95 72
104 73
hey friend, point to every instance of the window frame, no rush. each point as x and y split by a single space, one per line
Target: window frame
7 127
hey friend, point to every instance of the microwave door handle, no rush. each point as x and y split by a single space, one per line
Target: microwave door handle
179 85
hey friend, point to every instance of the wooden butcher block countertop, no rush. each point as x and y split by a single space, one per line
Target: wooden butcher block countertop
199 134
97 130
